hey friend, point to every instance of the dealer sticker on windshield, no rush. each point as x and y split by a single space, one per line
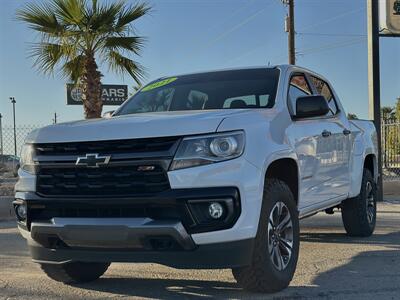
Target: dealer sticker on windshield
158 84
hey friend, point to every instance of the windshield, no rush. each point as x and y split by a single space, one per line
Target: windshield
250 88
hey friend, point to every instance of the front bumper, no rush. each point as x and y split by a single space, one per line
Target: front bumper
160 238
211 256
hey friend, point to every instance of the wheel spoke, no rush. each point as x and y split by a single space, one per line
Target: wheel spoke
369 189
287 245
283 225
278 258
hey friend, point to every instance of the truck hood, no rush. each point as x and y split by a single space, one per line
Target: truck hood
133 126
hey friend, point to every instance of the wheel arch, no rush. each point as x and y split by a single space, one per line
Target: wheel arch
285 169
370 164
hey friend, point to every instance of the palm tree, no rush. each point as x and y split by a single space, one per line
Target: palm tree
75 34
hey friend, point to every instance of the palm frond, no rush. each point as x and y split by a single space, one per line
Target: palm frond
48 55
73 69
40 18
105 16
121 64
130 43
70 12
130 14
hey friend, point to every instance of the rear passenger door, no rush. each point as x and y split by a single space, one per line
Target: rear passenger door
334 152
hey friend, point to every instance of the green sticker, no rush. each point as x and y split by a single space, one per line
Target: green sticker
158 84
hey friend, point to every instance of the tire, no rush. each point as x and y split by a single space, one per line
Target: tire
15 172
359 213
264 274
75 272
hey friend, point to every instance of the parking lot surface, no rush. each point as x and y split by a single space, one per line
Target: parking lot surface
331 266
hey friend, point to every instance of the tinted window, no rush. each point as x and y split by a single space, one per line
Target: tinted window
250 88
298 87
323 89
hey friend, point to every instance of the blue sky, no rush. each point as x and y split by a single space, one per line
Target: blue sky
194 35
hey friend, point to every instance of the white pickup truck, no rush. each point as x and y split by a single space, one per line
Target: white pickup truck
207 170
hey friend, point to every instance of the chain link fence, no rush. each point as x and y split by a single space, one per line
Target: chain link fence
391 150
390 145
7 144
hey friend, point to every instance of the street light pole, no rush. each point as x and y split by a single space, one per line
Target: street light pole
374 84
12 99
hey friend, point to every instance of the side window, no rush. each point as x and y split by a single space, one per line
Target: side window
323 89
298 87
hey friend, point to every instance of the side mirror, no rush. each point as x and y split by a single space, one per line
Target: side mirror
108 114
311 106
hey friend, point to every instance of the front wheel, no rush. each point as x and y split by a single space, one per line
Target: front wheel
359 213
75 272
276 247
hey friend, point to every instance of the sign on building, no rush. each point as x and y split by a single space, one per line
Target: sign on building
389 11
111 94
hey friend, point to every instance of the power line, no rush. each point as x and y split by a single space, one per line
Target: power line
331 46
332 19
330 34
233 14
234 28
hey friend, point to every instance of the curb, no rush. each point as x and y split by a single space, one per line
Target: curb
6 208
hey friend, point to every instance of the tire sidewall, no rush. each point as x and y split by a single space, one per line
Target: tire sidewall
272 195
367 177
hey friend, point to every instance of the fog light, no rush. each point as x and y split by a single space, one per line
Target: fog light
215 210
21 211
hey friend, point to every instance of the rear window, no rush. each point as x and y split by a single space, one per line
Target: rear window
250 88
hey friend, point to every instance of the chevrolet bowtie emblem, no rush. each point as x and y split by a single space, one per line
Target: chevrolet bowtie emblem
92 160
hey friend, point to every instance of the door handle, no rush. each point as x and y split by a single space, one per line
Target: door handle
346 132
326 133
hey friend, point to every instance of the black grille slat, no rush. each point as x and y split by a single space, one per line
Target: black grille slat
109 147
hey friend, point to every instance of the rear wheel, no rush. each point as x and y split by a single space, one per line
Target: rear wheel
75 272
359 213
277 242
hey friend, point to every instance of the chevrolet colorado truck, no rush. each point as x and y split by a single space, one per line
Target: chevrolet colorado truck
206 170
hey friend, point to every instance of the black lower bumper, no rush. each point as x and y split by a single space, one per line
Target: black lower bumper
212 256
149 229
188 206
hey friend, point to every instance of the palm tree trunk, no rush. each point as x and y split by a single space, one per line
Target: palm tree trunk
91 84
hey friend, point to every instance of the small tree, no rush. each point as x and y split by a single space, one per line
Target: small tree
351 116
398 109
387 113
75 34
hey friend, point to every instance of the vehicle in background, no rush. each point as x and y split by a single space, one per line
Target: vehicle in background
9 163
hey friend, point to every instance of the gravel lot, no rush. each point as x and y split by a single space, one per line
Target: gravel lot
331 266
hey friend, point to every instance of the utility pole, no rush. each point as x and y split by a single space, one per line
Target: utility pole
289 28
374 84
55 118
12 99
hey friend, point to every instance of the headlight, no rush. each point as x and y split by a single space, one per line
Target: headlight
26 161
208 149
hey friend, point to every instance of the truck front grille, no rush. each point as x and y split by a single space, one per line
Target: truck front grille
107 181
135 168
